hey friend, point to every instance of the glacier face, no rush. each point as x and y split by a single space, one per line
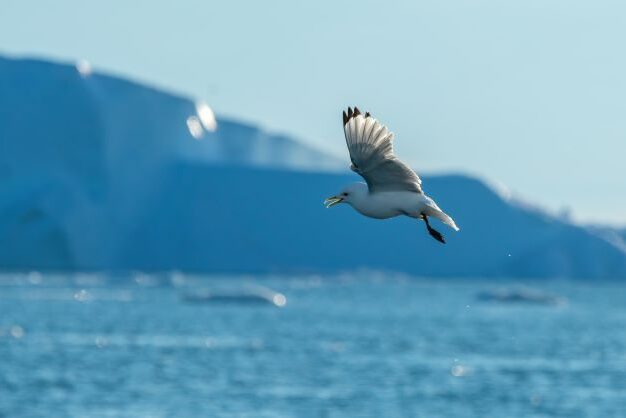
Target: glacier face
100 173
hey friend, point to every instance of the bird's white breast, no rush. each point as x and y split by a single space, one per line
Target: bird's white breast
384 205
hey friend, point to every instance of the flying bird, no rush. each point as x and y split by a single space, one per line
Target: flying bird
392 188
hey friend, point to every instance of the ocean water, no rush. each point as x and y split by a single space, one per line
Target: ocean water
363 345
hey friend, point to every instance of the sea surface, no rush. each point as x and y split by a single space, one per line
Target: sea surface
361 345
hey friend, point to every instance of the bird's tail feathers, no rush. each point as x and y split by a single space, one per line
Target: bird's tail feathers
435 212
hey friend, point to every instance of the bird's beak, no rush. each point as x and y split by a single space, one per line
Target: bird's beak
332 201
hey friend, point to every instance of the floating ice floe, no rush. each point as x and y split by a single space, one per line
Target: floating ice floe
521 295
244 296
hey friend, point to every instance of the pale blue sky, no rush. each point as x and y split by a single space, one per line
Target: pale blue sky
530 93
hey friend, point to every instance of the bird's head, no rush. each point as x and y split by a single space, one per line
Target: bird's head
348 195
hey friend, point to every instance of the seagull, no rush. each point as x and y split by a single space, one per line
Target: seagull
391 188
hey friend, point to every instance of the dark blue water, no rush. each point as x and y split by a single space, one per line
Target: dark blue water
351 346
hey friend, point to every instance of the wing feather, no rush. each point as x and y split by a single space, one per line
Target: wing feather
371 151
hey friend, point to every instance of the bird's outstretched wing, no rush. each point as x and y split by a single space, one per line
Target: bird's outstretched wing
371 151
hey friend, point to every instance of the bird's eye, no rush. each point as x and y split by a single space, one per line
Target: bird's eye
344 194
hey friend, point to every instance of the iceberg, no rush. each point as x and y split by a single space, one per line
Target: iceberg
101 173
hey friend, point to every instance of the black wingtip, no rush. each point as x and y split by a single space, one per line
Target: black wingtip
353 114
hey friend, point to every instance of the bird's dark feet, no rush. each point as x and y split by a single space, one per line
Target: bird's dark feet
436 235
433 232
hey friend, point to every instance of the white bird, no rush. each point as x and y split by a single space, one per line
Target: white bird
392 188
